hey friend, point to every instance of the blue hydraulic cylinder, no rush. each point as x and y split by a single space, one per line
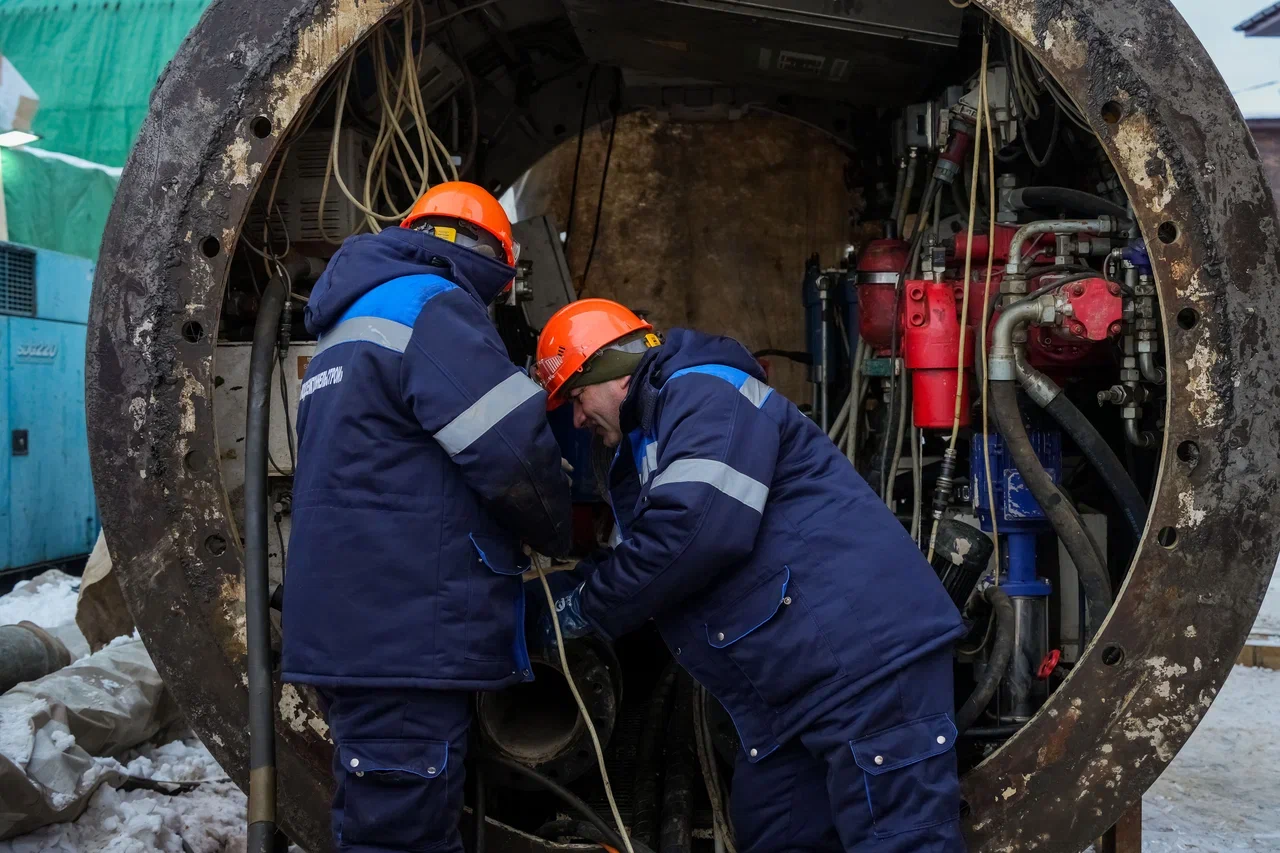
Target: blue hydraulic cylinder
1019 518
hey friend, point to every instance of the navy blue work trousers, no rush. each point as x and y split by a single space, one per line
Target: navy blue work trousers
876 776
398 764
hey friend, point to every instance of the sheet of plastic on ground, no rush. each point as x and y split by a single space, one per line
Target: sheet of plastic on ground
51 730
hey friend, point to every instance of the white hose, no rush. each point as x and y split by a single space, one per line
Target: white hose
582 706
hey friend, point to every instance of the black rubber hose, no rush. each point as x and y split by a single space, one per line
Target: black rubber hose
257 581
1066 522
644 823
677 793
997 663
1070 201
610 834
480 810
1104 461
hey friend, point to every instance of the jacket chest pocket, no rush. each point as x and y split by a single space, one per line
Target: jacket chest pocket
911 777
495 601
771 636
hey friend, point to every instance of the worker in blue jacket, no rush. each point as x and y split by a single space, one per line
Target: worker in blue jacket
424 460
778 580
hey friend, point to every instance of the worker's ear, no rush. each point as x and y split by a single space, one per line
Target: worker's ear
626 383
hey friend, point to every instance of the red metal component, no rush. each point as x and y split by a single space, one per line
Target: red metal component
1049 664
878 270
930 344
1004 238
1096 310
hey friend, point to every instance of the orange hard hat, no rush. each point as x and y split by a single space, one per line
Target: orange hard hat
469 203
575 334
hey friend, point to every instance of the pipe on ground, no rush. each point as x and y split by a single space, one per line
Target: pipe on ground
27 652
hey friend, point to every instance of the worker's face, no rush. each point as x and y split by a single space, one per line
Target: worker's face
596 407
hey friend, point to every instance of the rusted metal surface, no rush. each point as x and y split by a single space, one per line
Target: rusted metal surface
1185 158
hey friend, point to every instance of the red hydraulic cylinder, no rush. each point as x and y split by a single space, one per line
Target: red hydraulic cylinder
930 349
878 270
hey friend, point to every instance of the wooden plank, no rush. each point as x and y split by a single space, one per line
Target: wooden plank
1126 835
1267 657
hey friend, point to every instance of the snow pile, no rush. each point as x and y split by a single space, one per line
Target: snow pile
209 819
1219 793
51 604
184 760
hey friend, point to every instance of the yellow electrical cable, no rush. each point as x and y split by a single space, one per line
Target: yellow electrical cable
986 295
582 707
968 271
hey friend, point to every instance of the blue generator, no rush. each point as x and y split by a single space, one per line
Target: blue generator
48 514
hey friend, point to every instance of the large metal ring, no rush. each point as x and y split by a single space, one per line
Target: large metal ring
1186 159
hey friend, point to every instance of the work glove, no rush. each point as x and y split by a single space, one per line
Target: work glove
568 608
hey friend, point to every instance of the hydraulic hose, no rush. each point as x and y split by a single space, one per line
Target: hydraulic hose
480 810
1046 393
997 663
677 794
257 581
609 833
1066 200
644 821
1066 522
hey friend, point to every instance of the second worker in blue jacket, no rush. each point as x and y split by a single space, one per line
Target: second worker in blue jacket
778 579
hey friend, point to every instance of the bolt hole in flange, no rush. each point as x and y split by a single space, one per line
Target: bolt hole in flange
1168 537
216 545
261 127
192 332
210 247
1189 452
1167 232
1188 318
1112 112
1113 655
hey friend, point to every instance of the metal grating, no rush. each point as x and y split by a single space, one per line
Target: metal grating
17 281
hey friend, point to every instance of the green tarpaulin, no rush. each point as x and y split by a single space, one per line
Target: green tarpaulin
54 204
93 66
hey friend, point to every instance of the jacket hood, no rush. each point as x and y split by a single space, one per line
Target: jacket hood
366 261
682 348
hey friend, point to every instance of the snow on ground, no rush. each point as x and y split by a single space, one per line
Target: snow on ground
1222 791
209 819
53 606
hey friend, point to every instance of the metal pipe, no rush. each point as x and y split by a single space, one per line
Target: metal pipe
1002 361
824 369
257 581
1149 369
1100 225
898 190
27 652
1136 437
912 167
